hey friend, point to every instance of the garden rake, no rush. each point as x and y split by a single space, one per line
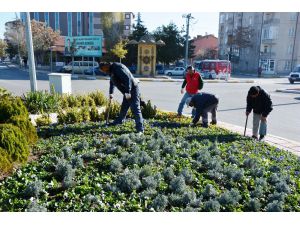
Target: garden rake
108 109
246 125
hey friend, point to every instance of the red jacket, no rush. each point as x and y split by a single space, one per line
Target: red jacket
193 83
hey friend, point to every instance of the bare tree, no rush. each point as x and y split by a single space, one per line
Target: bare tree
241 37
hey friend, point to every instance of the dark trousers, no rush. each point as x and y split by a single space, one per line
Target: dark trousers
134 104
213 110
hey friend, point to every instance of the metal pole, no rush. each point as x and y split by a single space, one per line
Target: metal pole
51 59
292 63
188 17
29 44
93 66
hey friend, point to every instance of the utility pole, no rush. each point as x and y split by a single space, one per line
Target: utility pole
29 44
18 24
188 18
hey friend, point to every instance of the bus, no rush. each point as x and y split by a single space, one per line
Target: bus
214 69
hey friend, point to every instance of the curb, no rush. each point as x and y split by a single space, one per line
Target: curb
288 91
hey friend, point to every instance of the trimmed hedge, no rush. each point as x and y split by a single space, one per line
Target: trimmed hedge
10 107
14 142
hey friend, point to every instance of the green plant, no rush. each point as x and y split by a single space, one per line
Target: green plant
85 114
99 98
5 164
14 142
114 110
44 120
4 93
73 115
11 106
26 127
95 116
41 101
148 110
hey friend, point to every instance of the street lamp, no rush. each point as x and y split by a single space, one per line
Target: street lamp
51 49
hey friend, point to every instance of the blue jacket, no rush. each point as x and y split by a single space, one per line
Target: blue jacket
201 101
122 78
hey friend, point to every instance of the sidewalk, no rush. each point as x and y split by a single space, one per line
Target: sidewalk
279 142
289 90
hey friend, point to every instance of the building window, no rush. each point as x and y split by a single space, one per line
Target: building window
91 24
127 16
57 25
222 18
69 18
292 32
287 65
293 16
290 49
250 20
266 34
265 49
46 14
36 16
79 33
127 27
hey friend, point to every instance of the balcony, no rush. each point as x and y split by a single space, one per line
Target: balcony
268 41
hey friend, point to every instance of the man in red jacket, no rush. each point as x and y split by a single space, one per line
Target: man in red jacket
192 83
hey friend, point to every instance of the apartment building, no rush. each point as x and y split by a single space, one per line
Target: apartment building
275 43
80 23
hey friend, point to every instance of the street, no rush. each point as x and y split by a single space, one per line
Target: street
283 121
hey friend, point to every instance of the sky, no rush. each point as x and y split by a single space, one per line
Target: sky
202 22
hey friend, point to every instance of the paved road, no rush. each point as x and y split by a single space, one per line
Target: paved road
284 121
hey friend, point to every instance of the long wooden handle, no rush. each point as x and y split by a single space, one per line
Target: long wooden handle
107 115
246 125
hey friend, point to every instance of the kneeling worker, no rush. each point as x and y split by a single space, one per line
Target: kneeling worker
204 103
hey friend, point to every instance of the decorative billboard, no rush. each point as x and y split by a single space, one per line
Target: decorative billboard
90 46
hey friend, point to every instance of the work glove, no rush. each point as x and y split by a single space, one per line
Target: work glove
127 96
111 96
182 91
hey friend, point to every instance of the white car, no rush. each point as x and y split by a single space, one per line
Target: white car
295 75
79 66
176 71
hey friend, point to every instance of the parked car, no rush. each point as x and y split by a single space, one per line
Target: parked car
212 69
132 69
160 69
295 75
79 66
96 70
177 71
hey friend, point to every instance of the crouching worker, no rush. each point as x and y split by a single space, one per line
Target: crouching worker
121 77
204 103
259 100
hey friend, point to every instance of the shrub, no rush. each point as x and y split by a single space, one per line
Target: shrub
10 107
44 120
85 100
95 116
41 101
5 164
114 110
160 203
14 142
85 114
4 93
35 207
99 98
212 206
33 189
178 185
149 111
26 127
72 115
128 181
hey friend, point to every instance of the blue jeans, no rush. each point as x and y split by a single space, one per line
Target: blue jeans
182 102
134 104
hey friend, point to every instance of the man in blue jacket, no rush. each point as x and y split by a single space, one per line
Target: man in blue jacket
204 103
121 77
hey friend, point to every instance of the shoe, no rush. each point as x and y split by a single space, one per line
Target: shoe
204 125
213 123
254 137
261 137
179 115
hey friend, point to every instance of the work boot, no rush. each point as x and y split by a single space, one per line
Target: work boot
214 122
261 137
255 137
204 125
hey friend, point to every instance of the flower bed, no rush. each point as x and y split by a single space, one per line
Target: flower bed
173 167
